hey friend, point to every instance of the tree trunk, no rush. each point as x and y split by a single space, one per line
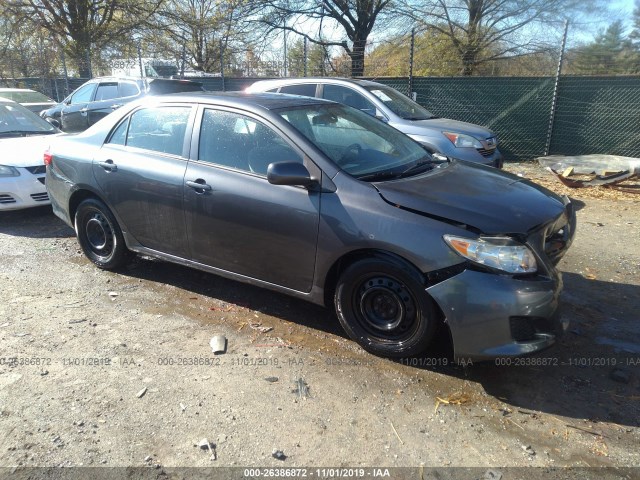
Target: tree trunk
357 58
79 52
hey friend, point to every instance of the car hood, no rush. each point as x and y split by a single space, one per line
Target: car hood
24 151
413 127
488 200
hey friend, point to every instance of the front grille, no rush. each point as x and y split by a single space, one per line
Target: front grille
7 199
37 170
558 236
486 152
40 197
490 145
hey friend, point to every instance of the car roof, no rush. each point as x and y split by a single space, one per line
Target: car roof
330 80
268 101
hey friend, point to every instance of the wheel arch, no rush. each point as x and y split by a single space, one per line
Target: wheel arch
78 197
349 258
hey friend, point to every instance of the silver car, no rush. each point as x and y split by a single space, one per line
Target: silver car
451 138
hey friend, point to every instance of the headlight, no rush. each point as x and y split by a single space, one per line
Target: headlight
462 141
501 253
7 171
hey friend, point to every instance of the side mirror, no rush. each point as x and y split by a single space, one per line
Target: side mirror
380 116
289 173
53 122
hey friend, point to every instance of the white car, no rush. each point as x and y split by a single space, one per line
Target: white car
30 99
24 137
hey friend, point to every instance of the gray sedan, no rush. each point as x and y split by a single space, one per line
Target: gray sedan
323 202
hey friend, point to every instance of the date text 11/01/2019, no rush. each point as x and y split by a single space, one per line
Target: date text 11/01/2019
316 473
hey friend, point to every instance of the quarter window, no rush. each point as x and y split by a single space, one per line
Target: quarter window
128 89
119 135
241 142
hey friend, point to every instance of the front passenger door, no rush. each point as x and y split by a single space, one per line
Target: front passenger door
104 99
236 220
74 115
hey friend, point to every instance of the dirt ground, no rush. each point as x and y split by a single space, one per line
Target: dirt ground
110 369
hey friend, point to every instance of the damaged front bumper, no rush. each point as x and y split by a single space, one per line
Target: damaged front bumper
492 315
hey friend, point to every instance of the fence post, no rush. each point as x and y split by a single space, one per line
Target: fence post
66 75
554 100
184 58
222 63
89 61
306 54
284 34
413 39
140 59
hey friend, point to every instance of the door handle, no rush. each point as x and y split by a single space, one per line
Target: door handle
199 185
116 106
84 110
109 166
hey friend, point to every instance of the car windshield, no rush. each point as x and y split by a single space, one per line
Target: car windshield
15 120
399 104
358 143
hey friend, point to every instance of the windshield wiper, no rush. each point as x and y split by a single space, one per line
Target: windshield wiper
414 168
420 118
379 176
24 133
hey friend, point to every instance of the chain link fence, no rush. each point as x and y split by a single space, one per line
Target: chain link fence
592 114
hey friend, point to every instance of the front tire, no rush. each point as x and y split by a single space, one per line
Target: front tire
382 305
99 235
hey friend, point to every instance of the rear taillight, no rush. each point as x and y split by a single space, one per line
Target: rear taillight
47 157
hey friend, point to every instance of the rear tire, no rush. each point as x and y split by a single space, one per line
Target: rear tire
99 235
382 305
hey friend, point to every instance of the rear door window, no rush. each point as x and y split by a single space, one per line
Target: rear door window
106 91
160 129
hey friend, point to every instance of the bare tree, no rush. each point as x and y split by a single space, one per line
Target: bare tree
485 30
203 29
356 18
79 25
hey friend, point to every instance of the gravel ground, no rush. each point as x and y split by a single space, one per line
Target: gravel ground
111 369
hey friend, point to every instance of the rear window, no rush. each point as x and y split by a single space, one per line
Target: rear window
159 87
305 89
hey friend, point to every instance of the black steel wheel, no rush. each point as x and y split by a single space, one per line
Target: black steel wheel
99 235
382 305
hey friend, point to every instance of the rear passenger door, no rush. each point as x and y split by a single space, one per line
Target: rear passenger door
140 170
236 220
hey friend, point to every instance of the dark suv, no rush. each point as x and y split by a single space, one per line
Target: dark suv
100 96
